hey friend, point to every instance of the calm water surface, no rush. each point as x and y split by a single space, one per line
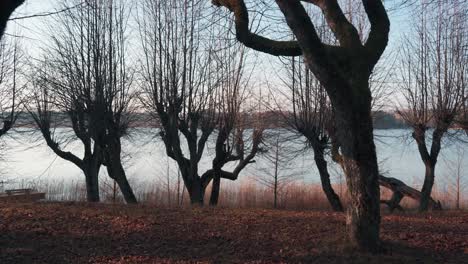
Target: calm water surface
27 160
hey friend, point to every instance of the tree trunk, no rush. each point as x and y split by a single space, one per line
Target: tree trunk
457 202
215 186
400 189
117 172
427 186
275 194
92 184
322 167
359 161
196 192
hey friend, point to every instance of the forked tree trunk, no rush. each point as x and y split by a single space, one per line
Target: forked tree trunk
327 188
427 186
429 158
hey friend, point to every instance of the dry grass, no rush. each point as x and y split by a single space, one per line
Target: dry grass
247 194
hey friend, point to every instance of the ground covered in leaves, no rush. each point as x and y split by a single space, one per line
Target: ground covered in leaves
81 233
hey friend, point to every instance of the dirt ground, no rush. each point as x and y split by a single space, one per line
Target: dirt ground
82 233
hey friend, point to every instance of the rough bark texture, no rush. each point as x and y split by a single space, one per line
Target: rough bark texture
344 72
7 7
359 163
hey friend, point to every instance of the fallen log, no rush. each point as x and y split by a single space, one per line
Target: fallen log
400 190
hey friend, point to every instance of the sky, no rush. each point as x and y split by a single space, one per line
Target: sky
33 33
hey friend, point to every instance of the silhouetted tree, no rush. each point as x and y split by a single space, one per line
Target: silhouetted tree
278 171
194 92
344 72
311 117
434 81
10 58
86 76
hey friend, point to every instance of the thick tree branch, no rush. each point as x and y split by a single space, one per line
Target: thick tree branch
380 28
66 155
252 40
343 30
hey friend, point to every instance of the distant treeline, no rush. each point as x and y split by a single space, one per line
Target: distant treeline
267 119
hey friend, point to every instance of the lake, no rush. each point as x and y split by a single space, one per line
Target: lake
28 161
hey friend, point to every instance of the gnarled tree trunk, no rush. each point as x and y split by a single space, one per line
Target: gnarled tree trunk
344 72
400 190
359 162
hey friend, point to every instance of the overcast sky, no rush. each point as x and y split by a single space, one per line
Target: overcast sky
33 33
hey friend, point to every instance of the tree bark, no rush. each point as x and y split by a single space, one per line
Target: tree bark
429 157
117 172
196 192
398 187
215 187
358 159
112 152
92 184
327 188
427 186
344 72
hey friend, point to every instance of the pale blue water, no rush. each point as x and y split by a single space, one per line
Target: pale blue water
27 160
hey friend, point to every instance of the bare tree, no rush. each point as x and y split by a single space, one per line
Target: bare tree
193 92
7 7
86 76
434 81
232 120
278 172
10 57
456 176
312 116
344 72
